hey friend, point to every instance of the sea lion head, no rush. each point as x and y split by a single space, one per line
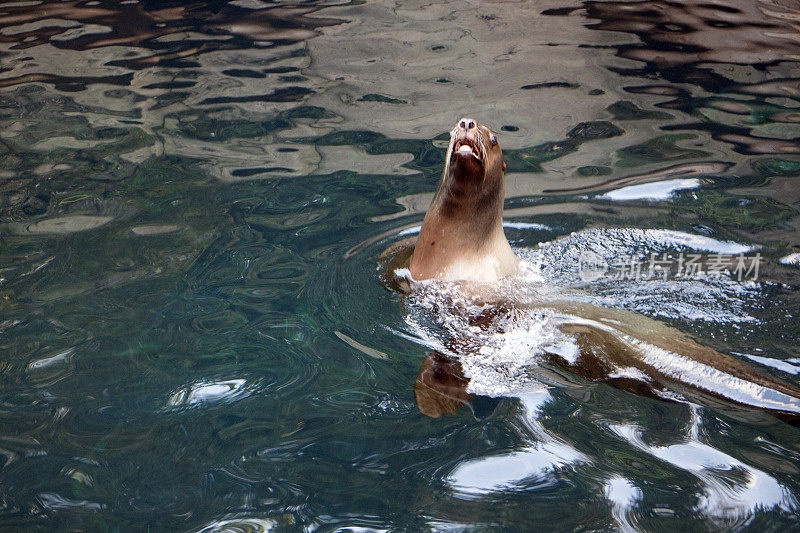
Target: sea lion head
472 156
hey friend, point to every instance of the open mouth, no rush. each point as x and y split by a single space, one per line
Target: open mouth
467 147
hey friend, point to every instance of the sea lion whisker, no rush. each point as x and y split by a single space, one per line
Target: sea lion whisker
447 157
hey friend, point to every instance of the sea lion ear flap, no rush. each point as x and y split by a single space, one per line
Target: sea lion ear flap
504 166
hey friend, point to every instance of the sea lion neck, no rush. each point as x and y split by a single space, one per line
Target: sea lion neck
475 203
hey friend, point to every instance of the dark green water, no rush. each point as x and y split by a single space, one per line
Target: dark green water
193 199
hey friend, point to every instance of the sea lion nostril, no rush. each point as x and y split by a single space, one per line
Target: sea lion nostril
467 124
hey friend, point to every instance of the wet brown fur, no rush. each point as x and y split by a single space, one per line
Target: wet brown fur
464 220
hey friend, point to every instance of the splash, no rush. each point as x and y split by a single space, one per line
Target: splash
500 346
498 356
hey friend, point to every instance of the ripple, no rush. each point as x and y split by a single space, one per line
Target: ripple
533 466
239 525
48 370
61 225
225 359
659 191
371 352
155 229
53 501
623 496
514 471
731 490
414 230
791 259
205 393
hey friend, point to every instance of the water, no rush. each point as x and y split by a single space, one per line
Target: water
194 197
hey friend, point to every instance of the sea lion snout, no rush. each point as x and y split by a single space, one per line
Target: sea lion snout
467 124
467 145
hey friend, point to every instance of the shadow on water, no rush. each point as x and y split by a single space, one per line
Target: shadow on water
193 199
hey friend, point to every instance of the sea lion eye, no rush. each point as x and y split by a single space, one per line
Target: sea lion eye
493 139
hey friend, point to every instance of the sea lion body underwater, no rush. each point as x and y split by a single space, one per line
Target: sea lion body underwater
462 240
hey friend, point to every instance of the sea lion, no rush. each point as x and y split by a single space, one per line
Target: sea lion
462 234
462 240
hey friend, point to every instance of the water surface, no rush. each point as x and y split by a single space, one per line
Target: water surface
193 199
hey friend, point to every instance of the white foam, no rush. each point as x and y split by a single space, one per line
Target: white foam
500 359
707 378
495 360
717 298
629 372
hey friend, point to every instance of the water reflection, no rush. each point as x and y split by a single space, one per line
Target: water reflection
730 491
623 496
243 525
50 368
735 49
193 197
440 386
208 393
227 25
663 190
533 465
